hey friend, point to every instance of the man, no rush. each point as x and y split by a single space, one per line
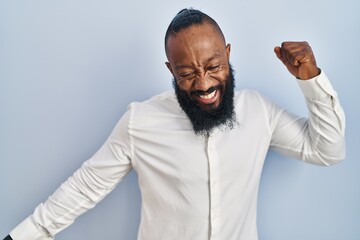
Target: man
199 152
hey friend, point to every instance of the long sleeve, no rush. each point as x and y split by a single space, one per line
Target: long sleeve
83 190
319 139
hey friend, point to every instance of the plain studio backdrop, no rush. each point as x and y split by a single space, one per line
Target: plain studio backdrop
68 70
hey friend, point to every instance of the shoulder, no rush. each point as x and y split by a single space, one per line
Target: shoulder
248 97
163 102
251 103
160 108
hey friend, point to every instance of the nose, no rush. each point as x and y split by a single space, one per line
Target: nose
202 82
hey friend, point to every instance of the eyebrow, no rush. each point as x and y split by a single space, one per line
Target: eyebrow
215 56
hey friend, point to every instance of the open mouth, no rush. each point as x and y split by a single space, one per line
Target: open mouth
208 97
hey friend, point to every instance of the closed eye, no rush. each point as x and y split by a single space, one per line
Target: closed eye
186 75
214 67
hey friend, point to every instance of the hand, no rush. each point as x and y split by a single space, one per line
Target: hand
298 59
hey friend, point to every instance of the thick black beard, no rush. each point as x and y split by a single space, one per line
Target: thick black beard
204 121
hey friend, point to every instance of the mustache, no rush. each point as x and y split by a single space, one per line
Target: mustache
200 92
204 121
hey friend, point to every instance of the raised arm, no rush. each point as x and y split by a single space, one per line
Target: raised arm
320 138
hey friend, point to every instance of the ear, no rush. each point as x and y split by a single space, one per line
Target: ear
228 48
169 67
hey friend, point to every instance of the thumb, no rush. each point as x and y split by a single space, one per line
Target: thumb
277 51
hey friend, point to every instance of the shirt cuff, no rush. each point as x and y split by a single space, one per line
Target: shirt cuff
28 230
317 88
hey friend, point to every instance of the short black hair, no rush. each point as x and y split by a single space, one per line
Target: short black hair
186 18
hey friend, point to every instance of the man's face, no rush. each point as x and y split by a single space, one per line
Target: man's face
199 60
203 80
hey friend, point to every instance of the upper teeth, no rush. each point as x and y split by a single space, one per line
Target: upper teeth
208 96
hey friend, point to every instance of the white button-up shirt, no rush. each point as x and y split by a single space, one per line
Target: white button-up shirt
193 187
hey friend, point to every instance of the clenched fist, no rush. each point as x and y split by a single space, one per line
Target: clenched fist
298 59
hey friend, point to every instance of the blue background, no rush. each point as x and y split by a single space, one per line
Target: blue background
68 70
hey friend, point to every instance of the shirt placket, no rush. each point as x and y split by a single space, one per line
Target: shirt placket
214 188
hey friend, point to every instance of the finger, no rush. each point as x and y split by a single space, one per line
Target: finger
277 51
290 51
301 56
298 52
